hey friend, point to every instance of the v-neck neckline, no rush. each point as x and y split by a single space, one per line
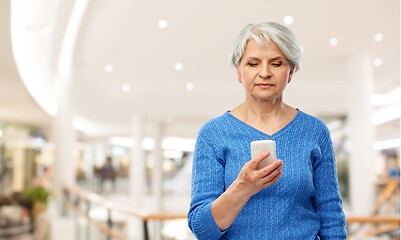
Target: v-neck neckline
274 135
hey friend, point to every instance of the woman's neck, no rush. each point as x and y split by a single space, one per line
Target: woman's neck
264 109
268 117
261 110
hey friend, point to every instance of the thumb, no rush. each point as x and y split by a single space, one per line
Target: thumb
259 158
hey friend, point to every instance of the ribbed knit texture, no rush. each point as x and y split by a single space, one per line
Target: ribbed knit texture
304 203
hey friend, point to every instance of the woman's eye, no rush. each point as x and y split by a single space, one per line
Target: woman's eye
276 64
252 64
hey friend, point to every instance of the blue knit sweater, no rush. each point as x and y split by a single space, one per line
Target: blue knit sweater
304 203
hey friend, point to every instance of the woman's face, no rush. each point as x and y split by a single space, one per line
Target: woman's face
264 71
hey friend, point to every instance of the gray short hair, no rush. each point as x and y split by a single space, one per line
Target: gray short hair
269 31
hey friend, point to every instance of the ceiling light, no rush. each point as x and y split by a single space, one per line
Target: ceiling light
172 154
288 20
189 86
180 144
148 143
378 37
377 62
122 141
388 98
387 144
1 133
386 114
162 24
126 87
333 41
179 66
109 68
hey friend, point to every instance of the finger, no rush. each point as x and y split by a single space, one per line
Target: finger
259 158
274 180
271 167
269 177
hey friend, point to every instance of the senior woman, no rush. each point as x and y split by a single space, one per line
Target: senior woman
295 197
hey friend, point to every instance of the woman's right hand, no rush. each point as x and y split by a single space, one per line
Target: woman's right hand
249 182
251 179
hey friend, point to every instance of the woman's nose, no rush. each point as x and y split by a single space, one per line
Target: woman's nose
265 72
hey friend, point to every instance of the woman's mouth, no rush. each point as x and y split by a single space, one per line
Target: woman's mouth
264 85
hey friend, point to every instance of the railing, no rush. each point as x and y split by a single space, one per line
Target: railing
379 222
379 225
74 196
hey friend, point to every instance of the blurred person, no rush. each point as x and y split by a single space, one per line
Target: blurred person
295 197
108 175
14 221
393 167
39 218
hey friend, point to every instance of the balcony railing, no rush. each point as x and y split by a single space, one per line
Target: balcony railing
81 201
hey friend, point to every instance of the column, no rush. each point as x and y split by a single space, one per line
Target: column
157 174
361 134
137 172
137 177
18 169
64 141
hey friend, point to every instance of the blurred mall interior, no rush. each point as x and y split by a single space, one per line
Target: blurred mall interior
101 102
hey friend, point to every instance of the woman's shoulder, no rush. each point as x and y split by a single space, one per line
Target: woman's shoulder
317 126
312 121
216 123
218 129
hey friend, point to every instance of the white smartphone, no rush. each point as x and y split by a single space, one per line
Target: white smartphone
263 145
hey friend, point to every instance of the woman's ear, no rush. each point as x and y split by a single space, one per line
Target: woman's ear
291 73
238 74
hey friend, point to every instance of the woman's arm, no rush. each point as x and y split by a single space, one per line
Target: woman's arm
207 185
328 202
213 208
249 182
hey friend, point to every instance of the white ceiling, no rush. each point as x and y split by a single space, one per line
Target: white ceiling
16 104
199 34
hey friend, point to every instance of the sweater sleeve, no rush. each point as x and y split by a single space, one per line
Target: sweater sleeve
207 186
327 201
